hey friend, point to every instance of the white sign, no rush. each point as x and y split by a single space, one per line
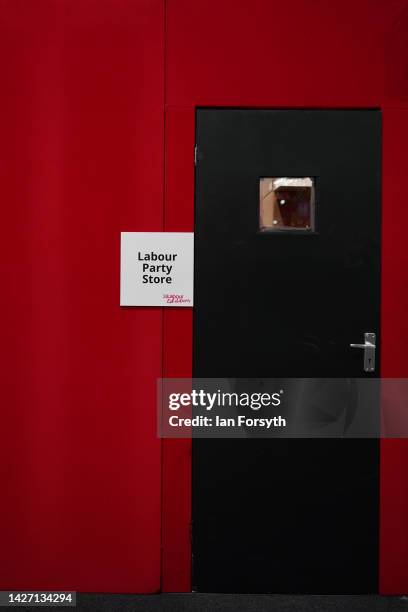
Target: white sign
156 269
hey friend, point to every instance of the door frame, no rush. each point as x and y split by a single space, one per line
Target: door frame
177 353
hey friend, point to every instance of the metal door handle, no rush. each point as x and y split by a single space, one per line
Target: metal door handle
369 351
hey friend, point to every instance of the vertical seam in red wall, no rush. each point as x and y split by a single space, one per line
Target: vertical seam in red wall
162 509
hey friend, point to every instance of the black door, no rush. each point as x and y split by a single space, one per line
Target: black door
287 276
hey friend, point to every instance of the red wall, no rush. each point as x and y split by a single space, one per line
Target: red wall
84 87
81 112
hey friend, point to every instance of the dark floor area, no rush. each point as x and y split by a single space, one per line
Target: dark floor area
200 602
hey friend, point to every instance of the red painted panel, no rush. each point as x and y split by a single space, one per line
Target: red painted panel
264 53
396 54
394 453
81 117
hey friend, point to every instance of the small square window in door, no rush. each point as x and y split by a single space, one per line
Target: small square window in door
287 204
